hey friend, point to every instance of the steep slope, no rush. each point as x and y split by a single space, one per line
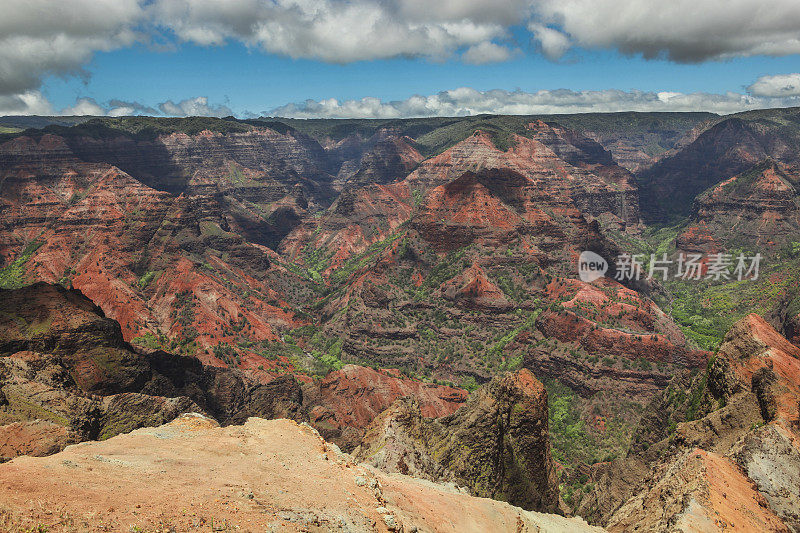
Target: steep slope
263 475
67 375
725 149
358 218
346 401
496 444
724 446
634 139
701 492
561 162
385 157
172 269
756 210
177 155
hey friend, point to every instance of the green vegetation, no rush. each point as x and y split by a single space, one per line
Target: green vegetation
147 277
437 134
706 310
356 263
574 443
151 341
13 276
143 128
509 337
469 383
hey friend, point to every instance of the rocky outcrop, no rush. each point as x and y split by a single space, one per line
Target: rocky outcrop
555 166
63 362
768 364
496 445
473 289
347 400
724 445
264 475
701 491
769 456
756 210
36 438
727 148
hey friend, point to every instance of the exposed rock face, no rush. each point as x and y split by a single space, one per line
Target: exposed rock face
555 165
756 210
724 150
608 318
347 400
36 438
390 159
770 456
178 162
359 217
263 475
158 264
731 455
473 289
496 445
637 149
701 491
769 363
63 362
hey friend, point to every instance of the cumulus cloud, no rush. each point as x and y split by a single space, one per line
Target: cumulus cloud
344 31
35 103
466 101
486 52
553 43
781 85
41 37
197 106
121 107
27 103
686 31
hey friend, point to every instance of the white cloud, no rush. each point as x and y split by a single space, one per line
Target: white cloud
486 52
27 103
342 31
42 37
197 106
84 106
680 30
467 101
339 31
554 44
35 103
781 85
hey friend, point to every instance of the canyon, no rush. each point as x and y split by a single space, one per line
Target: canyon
407 291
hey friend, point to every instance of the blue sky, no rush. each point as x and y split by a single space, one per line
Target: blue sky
258 56
248 80
251 80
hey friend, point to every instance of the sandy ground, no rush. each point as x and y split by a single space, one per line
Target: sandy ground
276 475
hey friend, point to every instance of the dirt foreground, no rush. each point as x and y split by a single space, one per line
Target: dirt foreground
265 475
